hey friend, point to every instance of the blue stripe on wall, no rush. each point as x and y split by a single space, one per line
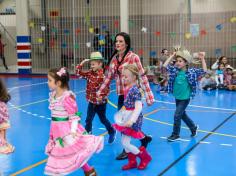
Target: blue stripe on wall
23 39
24 55
25 71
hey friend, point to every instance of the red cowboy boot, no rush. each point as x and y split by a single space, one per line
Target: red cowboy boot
132 163
92 172
144 157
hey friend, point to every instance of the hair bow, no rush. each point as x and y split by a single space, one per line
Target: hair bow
61 71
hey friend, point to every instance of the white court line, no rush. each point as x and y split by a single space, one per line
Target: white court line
185 140
29 85
206 107
228 145
204 142
101 128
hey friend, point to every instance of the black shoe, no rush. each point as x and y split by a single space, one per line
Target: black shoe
173 138
122 156
146 140
194 131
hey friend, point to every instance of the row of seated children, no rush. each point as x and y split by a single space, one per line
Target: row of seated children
224 78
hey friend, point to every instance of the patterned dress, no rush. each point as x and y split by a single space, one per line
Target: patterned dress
131 96
4 124
68 152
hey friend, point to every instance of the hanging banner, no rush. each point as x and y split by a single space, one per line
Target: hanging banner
194 30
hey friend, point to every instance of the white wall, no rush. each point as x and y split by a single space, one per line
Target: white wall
8 20
181 6
7 4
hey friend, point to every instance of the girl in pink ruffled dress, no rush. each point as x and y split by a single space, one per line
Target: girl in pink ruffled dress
129 119
69 146
5 147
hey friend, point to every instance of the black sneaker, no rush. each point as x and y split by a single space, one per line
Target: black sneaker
173 138
123 155
112 137
194 131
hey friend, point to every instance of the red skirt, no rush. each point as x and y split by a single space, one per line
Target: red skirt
129 131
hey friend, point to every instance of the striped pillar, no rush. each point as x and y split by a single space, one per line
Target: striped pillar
24 54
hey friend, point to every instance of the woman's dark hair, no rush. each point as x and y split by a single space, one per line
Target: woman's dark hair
221 58
4 95
163 50
127 42
60 74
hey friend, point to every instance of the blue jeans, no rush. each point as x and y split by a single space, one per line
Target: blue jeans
120 101
180 113
101 111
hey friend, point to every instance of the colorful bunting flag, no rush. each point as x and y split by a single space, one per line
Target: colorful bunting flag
233 48
116 23
91 30
194 30
157 33
140 52
31 24
233 19
63 45
219 27
218 52
187 35
144 29
153 54
40 40
203 32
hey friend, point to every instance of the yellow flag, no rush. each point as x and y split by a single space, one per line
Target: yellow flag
187 35
40 40
91 30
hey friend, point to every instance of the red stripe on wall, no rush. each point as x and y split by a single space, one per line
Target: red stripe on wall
24 47
24 63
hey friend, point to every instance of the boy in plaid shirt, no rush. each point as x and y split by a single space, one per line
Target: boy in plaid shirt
95 78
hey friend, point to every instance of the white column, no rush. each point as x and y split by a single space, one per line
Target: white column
23 37
22 25
124 16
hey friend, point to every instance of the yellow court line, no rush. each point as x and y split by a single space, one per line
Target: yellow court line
38 163
28 168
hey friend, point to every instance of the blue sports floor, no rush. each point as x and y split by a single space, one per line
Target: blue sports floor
212 152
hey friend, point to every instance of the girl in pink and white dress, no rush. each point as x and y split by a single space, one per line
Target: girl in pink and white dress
69 146
129 119
5 147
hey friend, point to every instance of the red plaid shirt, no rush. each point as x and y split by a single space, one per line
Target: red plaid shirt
115 71
94 81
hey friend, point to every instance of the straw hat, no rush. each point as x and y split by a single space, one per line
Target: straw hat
96 56
229 67
185 54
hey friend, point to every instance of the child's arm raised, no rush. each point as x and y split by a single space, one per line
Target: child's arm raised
202 57
168 60
79 71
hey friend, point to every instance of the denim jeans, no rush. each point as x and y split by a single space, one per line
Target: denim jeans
180 113
120 101
101 111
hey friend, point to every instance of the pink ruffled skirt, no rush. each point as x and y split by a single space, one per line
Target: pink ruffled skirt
75 151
